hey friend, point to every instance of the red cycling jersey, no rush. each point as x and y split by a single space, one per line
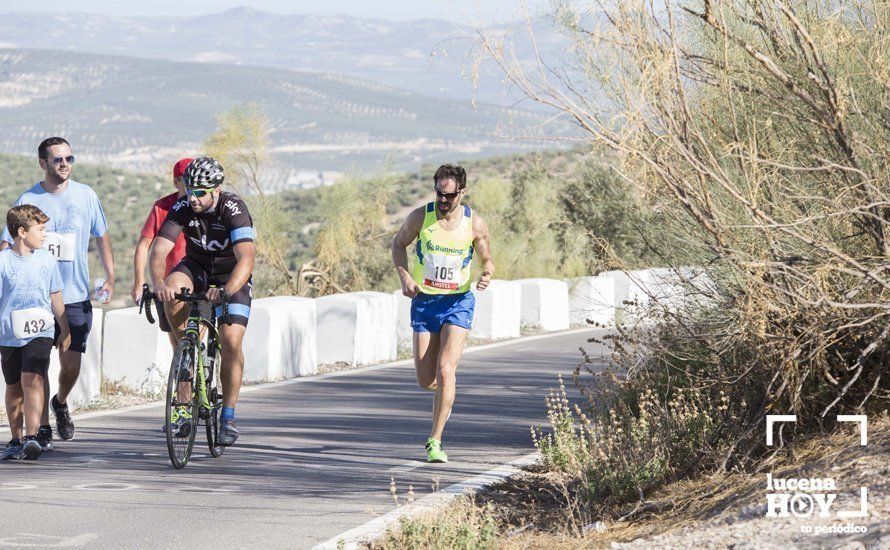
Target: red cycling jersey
153 225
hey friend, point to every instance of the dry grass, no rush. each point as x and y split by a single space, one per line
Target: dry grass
538 509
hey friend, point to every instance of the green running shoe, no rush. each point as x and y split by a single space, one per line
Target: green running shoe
180 418
434 452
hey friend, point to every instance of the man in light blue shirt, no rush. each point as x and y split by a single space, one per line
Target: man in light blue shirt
75 214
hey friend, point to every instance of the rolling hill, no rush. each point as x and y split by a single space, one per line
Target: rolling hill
139 114
424 56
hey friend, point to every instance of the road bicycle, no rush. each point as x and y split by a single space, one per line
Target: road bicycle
193 383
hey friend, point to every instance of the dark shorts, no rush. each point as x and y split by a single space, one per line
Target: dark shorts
163 323
430 311
239 302
80 321
33 357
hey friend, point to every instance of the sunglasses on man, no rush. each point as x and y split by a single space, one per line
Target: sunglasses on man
447 196
58 160
196 192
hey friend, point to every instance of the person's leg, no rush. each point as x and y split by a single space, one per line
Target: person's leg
452 340
232 370
177 312
68 374
11 366
14 404
35 367
231 373
426 351
34 401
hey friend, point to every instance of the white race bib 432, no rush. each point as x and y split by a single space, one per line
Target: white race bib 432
28 323
61 246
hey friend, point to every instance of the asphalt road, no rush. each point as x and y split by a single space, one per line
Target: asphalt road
314 459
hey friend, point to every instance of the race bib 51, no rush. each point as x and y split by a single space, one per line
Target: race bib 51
61 246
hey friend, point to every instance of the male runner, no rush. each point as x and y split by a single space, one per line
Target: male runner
219 250
149 232
447 234
75 214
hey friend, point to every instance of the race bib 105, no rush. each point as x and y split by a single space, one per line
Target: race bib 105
442 271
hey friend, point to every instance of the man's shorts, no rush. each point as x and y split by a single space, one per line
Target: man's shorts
80 321
239 302
430 311
33 357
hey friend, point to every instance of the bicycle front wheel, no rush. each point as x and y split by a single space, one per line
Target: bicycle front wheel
214 396
181 410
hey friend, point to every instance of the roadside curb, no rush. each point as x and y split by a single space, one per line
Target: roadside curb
353 538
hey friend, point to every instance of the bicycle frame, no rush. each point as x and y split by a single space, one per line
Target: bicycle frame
193 333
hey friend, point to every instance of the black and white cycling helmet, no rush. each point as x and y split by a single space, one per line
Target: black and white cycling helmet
203 173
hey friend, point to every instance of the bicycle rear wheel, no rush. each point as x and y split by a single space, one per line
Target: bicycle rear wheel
181 394
214 395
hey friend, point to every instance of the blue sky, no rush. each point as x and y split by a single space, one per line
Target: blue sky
400 10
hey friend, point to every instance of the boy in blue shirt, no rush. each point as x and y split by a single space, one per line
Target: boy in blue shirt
30 307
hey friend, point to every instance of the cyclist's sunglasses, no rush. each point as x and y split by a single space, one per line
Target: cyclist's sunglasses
197 192
58 160
447 196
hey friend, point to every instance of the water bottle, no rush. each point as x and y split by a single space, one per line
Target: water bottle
101 295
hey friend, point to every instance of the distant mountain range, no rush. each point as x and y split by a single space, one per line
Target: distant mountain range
427 56
139 114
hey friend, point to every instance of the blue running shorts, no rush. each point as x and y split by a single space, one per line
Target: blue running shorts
430 311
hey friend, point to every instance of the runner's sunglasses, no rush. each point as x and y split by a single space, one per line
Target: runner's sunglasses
448 196
58 160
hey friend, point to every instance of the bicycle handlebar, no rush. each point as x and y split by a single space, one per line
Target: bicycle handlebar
185 295
147 296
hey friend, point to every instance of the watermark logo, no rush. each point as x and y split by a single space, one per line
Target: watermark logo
813 497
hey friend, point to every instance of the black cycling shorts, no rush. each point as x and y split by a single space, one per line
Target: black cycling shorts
33 357
239 302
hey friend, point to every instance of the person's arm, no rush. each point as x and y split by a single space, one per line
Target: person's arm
406 235
157 265
482 244
3 245
170 230
58 306
99 230
245 253
140 259
106 257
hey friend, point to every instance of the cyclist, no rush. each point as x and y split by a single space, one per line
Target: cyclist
447 236
219 257
149 232
75 214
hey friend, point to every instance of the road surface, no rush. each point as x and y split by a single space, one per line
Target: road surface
314 460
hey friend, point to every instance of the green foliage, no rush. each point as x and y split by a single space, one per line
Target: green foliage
354 238
630 438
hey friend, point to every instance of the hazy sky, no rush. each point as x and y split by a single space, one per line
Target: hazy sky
489 10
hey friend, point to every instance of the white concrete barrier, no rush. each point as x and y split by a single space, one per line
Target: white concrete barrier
280 341
404 333
136 353
356 328
498 310
545 304
595 299
87 387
